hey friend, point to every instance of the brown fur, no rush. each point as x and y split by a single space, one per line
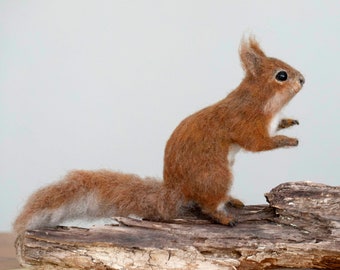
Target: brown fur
111 193
197 161
196 156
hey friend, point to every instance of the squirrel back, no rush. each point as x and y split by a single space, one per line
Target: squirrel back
198 156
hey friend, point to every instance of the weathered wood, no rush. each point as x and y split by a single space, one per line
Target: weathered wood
300 228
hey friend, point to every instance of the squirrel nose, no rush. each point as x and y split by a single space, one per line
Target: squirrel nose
302 80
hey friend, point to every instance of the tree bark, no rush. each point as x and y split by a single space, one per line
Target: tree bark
299 228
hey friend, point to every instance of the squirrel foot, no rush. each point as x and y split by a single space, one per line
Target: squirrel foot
285 123
235 203
224 218
284 141
221 216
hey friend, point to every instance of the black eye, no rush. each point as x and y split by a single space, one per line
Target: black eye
281 76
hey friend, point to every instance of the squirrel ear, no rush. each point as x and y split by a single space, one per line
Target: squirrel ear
251 55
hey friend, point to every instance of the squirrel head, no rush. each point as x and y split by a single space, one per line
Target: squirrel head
271 81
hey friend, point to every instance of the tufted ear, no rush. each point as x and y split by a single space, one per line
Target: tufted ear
251 56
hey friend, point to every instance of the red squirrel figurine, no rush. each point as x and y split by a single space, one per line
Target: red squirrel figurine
198 156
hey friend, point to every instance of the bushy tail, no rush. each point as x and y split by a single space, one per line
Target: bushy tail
98 194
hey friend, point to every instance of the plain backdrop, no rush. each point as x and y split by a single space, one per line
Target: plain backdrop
102 84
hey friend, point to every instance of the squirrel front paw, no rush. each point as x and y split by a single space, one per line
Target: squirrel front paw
286 123
284 141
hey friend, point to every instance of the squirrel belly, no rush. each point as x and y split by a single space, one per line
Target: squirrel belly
198 157
97 194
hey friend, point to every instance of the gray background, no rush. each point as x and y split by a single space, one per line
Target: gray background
102 84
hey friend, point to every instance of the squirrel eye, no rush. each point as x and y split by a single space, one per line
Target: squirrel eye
281 76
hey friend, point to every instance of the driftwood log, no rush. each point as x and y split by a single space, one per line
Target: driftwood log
299 229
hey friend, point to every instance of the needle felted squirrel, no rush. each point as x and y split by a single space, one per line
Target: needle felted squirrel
197 161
